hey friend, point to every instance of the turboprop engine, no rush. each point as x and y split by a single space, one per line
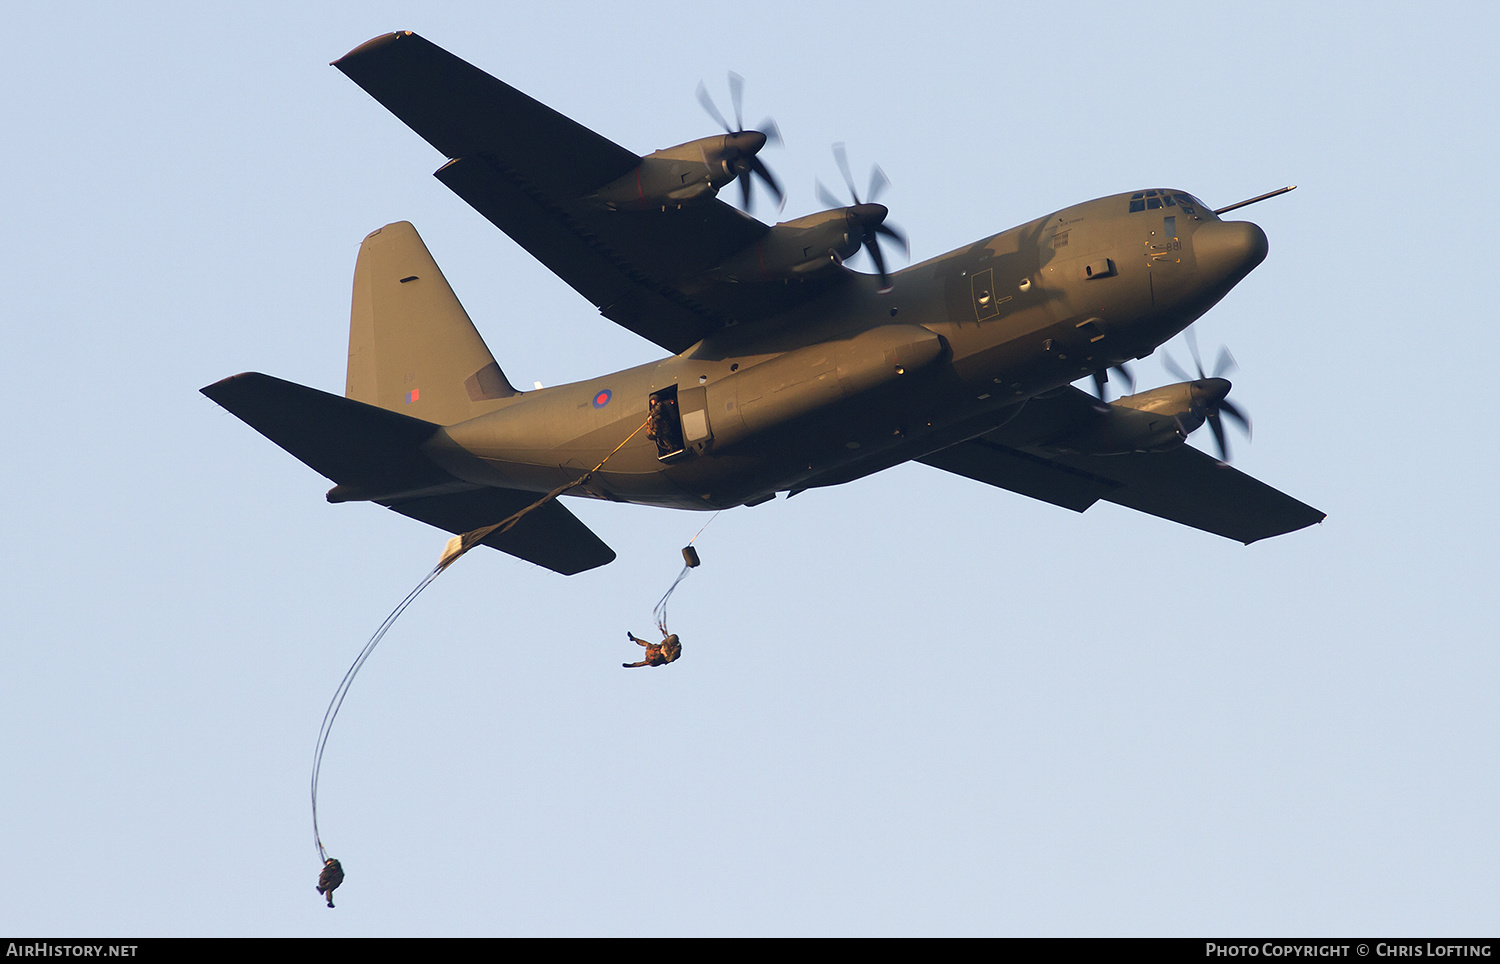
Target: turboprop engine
681 175
1151 421
801 247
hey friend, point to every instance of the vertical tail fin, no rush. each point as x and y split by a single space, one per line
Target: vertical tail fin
412 347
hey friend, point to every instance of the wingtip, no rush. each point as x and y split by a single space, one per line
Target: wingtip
210 389
375 43
1321 518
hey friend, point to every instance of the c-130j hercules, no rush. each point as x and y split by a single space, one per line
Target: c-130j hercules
789 370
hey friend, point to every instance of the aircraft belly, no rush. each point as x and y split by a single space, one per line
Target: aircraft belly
847 439
837 411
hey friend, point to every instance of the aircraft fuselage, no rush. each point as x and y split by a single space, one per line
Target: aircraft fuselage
858 380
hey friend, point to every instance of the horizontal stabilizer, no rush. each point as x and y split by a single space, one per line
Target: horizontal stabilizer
378 455
352 443
550 536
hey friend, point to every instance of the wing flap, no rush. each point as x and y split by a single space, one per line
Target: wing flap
577 255
999 465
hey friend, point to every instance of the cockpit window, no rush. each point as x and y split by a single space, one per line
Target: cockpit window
1149 200
1152 200
1191 205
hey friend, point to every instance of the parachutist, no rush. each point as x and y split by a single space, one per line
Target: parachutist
657 654
663 425
330 878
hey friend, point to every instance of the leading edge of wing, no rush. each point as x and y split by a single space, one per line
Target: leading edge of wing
531 171
1182 485
463 111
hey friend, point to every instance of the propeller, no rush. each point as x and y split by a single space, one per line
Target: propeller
1209 393
748 142
1102 375
868 216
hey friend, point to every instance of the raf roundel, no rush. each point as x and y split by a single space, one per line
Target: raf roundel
602 399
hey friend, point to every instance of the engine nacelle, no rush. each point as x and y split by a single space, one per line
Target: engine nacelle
1183 401
1154 421
795 250
684 174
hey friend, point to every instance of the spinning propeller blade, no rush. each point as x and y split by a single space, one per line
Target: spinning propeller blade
1210 393
869 217
747 164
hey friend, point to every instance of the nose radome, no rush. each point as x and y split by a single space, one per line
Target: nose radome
1229 249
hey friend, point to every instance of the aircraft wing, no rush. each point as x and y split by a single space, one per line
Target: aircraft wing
528 169
1183 485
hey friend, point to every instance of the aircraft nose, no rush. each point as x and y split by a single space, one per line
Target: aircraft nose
1229 249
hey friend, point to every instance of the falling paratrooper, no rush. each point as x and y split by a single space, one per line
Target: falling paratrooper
330 879
332 874
670 648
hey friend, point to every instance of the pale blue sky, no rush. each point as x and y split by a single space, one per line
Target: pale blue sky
910 705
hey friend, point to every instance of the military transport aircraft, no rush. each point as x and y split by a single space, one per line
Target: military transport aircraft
789 370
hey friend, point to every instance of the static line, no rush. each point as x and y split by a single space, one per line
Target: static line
464 542
330 714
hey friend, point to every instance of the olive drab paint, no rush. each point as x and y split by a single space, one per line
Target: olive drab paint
787 370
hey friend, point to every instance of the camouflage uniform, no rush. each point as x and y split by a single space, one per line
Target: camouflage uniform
657 654
661 427
330 878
